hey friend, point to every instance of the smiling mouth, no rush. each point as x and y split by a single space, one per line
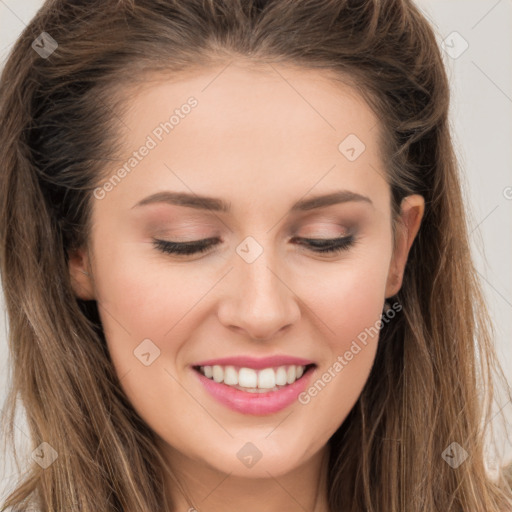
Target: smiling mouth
255 381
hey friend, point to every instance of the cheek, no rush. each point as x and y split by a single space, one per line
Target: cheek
148 312
348 296
143 298
139 299
348 305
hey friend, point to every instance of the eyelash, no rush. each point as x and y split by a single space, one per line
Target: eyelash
321 246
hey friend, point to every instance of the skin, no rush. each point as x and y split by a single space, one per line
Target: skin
260 138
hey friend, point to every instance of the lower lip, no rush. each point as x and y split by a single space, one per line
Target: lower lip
256 403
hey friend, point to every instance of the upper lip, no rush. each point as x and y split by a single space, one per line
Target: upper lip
255 362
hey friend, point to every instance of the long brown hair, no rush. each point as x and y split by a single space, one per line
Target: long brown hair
60 120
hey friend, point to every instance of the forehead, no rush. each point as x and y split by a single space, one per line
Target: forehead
324 99
267 129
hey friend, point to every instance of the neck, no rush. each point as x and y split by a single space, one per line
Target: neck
200 487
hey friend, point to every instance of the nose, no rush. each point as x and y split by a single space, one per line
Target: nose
258 301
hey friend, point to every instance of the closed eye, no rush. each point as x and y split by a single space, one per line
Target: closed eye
331 245
317 245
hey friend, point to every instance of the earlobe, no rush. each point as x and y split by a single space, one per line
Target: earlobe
80 274
412 210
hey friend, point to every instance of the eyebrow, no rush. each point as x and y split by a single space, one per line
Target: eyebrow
219 205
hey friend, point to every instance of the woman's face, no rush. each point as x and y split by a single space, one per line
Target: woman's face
255 161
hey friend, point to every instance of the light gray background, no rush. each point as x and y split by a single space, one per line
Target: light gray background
481 78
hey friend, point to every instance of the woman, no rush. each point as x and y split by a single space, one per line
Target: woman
236 264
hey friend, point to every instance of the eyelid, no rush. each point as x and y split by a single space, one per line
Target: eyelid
319 246
185 248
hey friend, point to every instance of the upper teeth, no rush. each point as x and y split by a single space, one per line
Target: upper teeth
266 378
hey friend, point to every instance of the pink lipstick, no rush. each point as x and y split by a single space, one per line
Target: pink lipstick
257 386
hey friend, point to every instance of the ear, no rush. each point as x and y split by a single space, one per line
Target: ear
412 210
81 274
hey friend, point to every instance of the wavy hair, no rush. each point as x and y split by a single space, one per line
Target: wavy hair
433 381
